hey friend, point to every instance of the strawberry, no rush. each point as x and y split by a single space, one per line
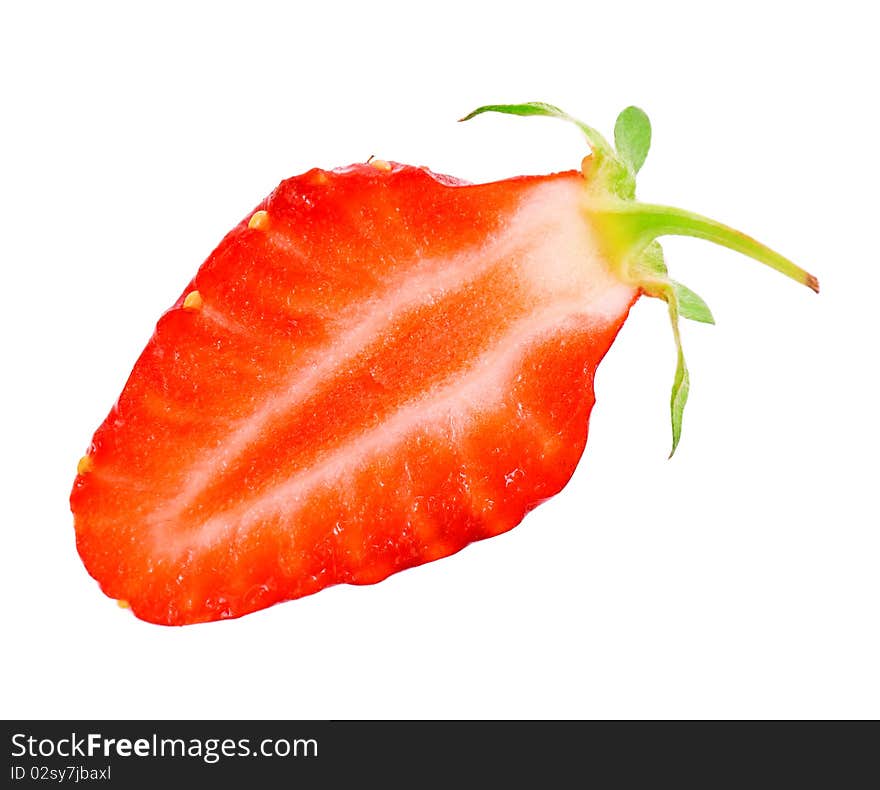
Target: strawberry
376 367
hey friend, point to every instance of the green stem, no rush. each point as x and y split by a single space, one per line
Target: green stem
638 224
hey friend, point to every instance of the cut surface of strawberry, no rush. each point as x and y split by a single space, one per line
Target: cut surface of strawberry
376 367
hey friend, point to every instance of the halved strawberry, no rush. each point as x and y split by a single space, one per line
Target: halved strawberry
376 367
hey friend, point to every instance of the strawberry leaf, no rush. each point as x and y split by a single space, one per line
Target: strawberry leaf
691 305
632 137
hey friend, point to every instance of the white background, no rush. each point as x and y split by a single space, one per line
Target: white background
739 579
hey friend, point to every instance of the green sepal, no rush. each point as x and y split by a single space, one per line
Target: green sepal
652 270
681 386
597 142
651 260
632 137
682 303
691 305
663 288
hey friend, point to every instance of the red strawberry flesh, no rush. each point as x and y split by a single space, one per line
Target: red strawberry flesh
389 365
